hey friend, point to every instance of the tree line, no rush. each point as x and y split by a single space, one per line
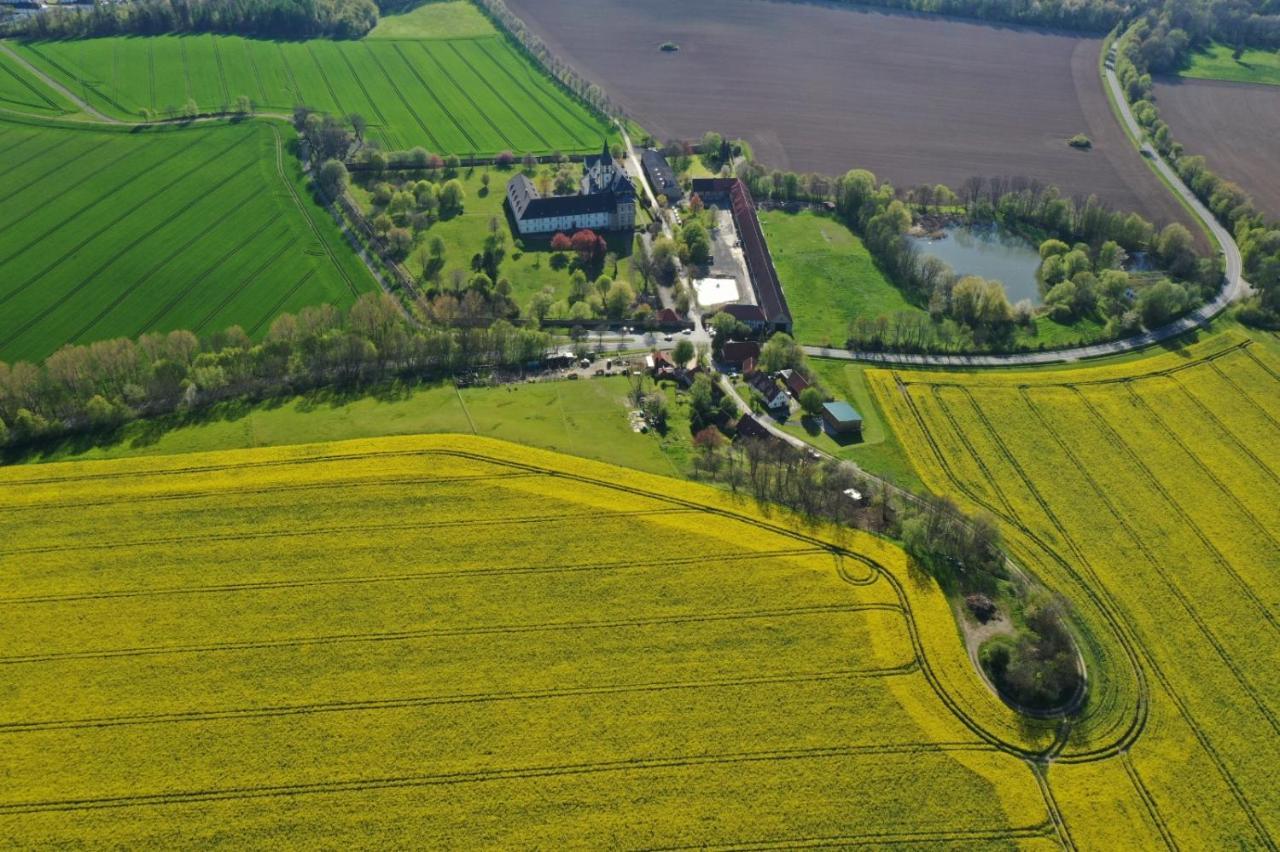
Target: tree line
271 18
94 389
1259 239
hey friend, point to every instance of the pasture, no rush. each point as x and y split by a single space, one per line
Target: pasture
1218 62
827 87
1148 494
365 643
828 275
111 233
465 96
1234 126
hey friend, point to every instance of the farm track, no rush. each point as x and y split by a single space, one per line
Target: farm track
56 86
541 771
1148 802
465 698
88 279
440 632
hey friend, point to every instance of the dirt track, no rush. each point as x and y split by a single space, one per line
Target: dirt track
1235 126
828 88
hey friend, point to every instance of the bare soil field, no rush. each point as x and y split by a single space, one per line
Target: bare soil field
1235 126
826 88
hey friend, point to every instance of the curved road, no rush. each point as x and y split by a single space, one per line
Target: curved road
1234 286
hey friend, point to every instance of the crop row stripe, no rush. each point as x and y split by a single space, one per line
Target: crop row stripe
701 560
461 698
501 98
427 633
638 764
248 280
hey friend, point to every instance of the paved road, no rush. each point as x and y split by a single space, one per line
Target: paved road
1234 286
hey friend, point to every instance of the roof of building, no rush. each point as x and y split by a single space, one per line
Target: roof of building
749 427
748 366
528 203
668 315
660 174
713 186
745 313
841 412
765 384
796 382
737 351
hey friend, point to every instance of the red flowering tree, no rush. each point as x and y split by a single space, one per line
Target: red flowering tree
590 246
561 242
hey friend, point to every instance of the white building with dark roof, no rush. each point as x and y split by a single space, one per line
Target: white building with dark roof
606 201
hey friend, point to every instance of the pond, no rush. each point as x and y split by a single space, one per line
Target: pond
992 253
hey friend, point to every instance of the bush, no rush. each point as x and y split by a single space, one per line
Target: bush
1080 141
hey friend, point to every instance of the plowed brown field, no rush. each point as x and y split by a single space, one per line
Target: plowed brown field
1235 126
827 88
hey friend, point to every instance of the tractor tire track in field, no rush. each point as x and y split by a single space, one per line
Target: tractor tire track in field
27 84
151 65
963 838
81 102
146 235
129 210
1117 441
377 110
244 284
275 309
200 278
533 98
465 92
462 698
222 74
186 67
1148 802
431 137
500 97
1207 471
1104 599
252 62
330 530
58 164
413 69
1246 396
440 632
1184 711
419 576
339 109
1056 819
306 214
1158 568
474 776
291 488
293 78
144 278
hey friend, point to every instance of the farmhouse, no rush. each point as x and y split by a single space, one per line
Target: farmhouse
795 382
605 202
748 427
660 175
842 419
736 353
749 315
764 277
772 393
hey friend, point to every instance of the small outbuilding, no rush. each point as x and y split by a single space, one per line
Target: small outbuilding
841 418
770 391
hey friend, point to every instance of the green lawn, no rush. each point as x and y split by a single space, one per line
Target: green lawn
1218 63
879 451
473 95
828 276
110 233
529 270
583 418
442 19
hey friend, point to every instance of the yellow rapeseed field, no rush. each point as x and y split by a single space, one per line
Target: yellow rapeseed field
455 642
1148 494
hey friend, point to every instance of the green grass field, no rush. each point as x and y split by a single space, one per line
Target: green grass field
582 418
1218 63
474 95
110 233
828 276
441 19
